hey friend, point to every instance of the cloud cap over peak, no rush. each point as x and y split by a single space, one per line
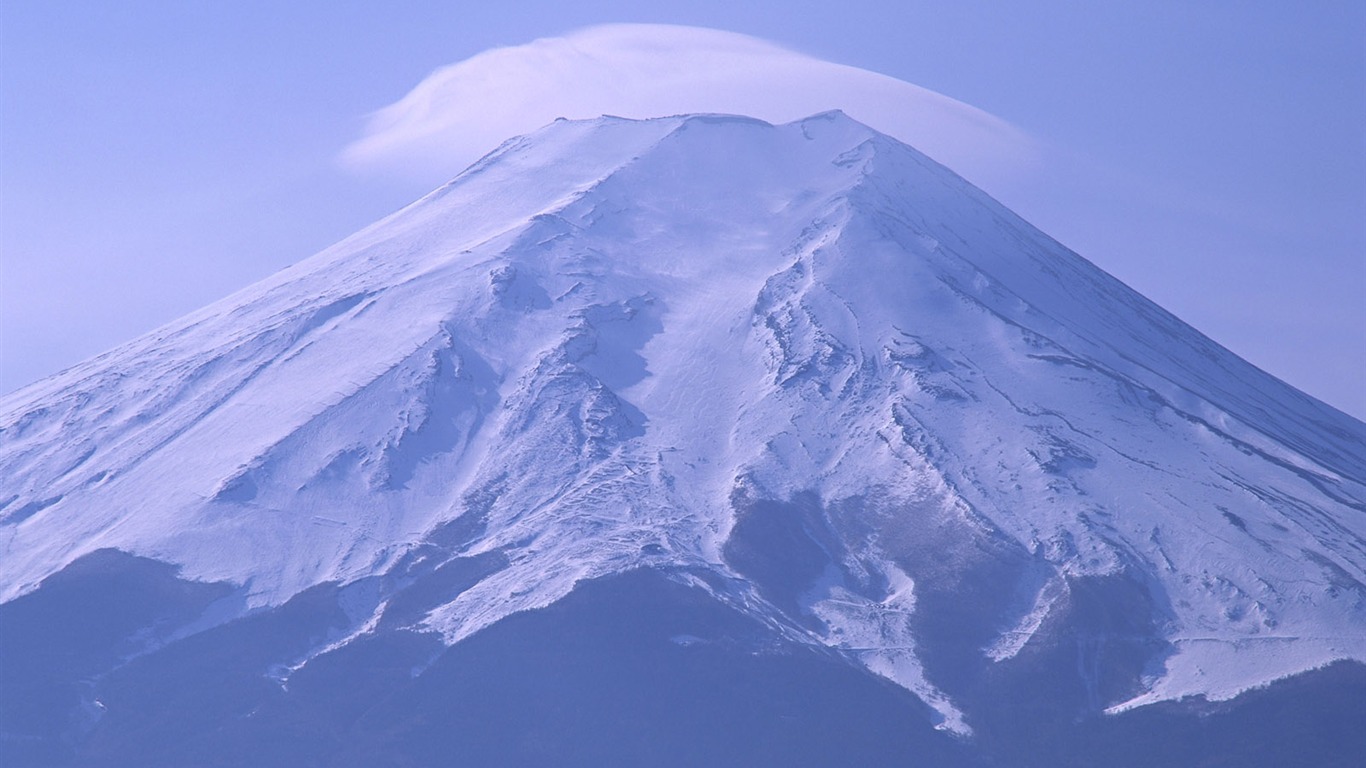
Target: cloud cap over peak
463 110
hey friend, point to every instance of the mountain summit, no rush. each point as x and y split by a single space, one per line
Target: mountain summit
794 402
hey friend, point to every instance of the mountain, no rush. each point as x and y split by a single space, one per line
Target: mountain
686 441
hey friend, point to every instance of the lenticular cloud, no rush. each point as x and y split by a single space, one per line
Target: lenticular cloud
464 110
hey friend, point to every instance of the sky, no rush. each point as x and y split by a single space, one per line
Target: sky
156 156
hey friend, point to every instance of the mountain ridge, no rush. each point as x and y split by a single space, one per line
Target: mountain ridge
668 344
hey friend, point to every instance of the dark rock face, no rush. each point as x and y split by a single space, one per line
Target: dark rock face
635 669
83 622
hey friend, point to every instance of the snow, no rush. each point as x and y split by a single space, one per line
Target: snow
590 342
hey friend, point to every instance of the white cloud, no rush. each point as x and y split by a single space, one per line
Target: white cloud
464 110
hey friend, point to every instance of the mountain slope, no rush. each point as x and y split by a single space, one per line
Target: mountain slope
802 370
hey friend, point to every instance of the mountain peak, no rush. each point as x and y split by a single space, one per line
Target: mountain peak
802 368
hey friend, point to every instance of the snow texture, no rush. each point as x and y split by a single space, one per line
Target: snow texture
593 349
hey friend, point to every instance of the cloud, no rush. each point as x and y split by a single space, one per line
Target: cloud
464 110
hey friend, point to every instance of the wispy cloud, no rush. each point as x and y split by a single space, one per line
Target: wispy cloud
463 110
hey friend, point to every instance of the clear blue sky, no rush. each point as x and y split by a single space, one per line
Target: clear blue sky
155 156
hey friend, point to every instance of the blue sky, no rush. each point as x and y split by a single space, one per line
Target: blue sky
155 156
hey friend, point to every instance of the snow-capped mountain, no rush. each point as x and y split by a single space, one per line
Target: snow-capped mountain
802 372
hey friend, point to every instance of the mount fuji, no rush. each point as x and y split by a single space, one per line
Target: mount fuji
684 441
